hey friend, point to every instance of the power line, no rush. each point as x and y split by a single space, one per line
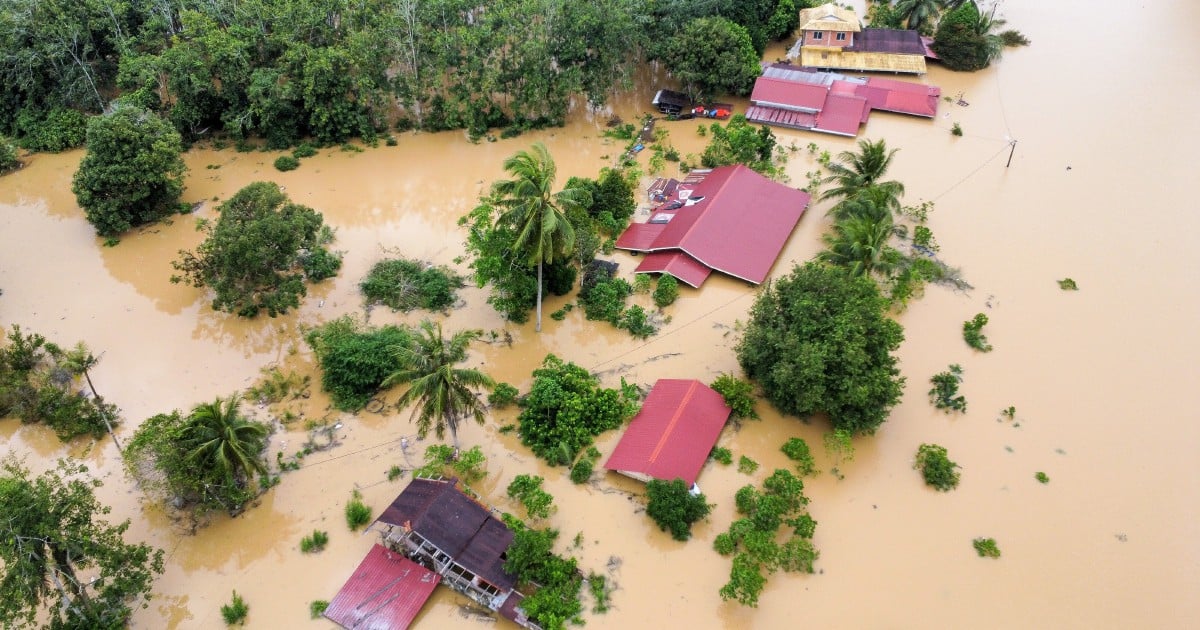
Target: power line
972 173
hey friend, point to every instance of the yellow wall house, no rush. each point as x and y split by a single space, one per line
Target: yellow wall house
831 38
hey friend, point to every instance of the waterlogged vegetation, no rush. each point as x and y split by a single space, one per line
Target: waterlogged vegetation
973 333
939 471
527 490
944 394
674 508
986 547
738 394
404 285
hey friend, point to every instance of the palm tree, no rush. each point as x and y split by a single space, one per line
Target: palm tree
441 392
220 440
870 201
856 171
860 244
915 13
993 44
539 216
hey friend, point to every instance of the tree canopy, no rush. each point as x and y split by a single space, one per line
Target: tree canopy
132 173
674 508
819 340
64 566
260 253
712 56
355 359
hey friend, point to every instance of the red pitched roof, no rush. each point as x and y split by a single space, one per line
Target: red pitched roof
738 228
788 94
674 432
385 592
640 236
678 264
842 115
901 97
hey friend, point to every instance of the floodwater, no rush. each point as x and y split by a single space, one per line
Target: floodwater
1103 379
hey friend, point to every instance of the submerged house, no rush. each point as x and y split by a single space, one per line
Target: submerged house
672 435
431 533
729 219
832 38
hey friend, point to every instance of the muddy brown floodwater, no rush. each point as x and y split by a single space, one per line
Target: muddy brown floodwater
1103 379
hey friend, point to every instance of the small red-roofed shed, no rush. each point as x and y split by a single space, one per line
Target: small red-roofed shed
385 592
671 437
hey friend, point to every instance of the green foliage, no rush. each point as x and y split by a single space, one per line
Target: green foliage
986 547
286 163
755 539
666 291
711 56
964 41
503 395
407 284
1042 477
57 130
443 460
357 512
937 469
944 394
797 450
317 607
1067 284
605 300
132 173
839 444
234 613
276 386
64 566
355 359
394 473
8 156
598 585
207 459
820 340
581 472
637 322
642 283
674 508
738 394
722 455
527 489
747 466
566 408
314 542
956 130
532 560
1013 37
739 142
305 150
254 257
973 333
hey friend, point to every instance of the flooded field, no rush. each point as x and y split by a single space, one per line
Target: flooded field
1103 379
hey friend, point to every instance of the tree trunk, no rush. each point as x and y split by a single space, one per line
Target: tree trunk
103 411
538 327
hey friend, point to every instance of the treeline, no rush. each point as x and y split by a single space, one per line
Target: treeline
335 69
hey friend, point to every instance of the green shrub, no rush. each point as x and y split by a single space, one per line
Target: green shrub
956 130
666 292
746 465
674 508
598 585
637 322
442 460
405 285
1067 284
527 489
1042 477
286 163
937 469
314 542
357 512
320 264
58 130
1013 37
303 151
973 333
642 283
582 471
721 455
8 156
355 359
944 394
503 395
986 547
317 607
797 450
394 473
234 613
605 300
738 394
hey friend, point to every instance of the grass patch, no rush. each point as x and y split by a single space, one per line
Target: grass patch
357 512
314 542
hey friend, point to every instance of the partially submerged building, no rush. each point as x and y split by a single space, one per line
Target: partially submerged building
831 37
728 219
438 529
672 435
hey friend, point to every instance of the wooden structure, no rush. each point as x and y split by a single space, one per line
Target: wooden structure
831 38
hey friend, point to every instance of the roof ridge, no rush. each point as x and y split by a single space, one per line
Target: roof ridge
709 202
662 441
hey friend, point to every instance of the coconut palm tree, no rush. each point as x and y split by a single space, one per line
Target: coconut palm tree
857 170
993 43
222 442
916 13
870 201
538 215
441 392
860 244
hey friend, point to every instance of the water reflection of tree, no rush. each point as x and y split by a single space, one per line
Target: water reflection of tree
242 540
257 336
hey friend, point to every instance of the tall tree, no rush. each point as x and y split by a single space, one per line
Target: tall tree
64 567
132 173
860 244
543 231
442 393
219 438
712 56
918 13
857 170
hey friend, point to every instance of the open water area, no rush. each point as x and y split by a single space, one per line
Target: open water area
1103 379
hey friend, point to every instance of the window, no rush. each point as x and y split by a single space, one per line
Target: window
841 37
818 34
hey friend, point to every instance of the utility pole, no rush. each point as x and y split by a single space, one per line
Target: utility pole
1012 147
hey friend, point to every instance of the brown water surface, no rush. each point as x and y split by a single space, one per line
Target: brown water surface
1103 379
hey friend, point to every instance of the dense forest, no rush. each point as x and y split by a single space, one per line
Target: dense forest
281 70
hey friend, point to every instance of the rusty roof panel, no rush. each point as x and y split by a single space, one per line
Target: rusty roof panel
385 592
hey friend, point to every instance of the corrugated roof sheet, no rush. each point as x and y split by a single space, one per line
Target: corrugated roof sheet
674 432
888 40
828 17
785 94
639 236
385 592
685 268
842 114
456 524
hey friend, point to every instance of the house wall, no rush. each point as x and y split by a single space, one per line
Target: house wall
828 38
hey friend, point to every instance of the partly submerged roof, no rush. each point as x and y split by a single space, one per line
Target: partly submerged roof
829 17
738 227
455 523
385 592
685 268
672 435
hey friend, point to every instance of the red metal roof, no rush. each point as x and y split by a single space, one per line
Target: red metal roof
385 592
842 115
674 432
640 236
901 97
685 268
788 94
